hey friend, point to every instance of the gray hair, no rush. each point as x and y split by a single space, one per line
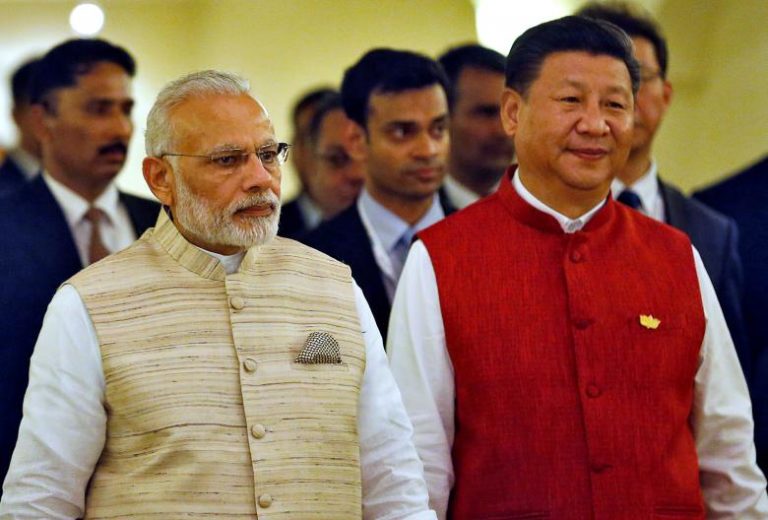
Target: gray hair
158 138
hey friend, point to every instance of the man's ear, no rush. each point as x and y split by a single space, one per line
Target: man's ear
41 123
511 103
357 141
159 177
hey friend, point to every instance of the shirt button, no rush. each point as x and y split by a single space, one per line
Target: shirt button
596 467
593 390
249 365
237 303
577 256
265 500
258 431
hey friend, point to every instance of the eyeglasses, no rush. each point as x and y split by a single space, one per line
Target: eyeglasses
270 156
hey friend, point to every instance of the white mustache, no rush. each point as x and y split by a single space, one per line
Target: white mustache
257 199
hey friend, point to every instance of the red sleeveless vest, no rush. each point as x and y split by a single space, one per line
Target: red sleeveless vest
571 403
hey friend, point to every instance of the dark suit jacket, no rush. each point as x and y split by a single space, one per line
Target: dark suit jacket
37 254
716 238
345 239
11 176
292 223
744 197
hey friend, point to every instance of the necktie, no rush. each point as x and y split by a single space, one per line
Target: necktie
631 199
96 248
400 251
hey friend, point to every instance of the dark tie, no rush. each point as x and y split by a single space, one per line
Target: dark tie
631 199
96 248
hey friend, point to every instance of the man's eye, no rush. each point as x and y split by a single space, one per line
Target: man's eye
229 159
569 99
268 156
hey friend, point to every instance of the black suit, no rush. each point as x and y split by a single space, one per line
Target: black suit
11 176
344 238
744 197
716 238
37 254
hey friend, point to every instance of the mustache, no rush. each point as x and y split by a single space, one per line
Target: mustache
258 199
118 146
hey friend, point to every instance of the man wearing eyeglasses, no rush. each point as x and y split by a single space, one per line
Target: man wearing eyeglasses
639 186
211 368
338 176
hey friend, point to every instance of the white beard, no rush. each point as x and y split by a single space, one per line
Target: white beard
217 226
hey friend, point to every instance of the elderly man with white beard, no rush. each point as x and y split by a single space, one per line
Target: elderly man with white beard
211 368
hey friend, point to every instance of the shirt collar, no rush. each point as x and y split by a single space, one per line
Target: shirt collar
389 227
309 211
28 164
646 187
74 206
568 225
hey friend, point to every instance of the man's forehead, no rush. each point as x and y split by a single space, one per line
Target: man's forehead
408 104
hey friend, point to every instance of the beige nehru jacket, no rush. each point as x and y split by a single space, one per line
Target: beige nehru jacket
208 414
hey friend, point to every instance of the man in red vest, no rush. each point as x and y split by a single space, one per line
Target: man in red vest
571 361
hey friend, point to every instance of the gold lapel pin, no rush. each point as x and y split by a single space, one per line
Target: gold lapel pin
649 322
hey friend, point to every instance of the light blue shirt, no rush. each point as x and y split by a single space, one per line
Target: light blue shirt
391 236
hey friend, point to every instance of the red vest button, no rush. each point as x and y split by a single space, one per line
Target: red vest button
582 323
593 390
577 256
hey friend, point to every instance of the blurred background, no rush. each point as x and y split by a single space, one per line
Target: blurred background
718 121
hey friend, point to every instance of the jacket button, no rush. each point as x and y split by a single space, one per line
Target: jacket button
582 323
265 500
237 303
258 431
593 390
250 365
577 256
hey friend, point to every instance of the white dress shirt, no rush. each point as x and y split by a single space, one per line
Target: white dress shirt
385 230
647 188
732 484
116 229
55 455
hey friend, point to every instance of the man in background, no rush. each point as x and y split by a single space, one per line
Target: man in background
480 150
399 102
638 184
744 197
22 163
304 212
73 214
338 175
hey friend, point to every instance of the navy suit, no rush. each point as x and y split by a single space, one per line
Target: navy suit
11 176
744 197
292 223
37 254
716 238
345 239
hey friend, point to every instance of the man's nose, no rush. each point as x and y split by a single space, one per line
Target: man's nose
426 146
122 126
256 175
593 120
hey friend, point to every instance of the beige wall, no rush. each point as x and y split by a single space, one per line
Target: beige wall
718 121
284 47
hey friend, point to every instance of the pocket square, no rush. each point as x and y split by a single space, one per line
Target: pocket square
320 347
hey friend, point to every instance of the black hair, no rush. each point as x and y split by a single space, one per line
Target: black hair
61 66
634 21
328 104
21 82
382 71
571 33
310 99
456 59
